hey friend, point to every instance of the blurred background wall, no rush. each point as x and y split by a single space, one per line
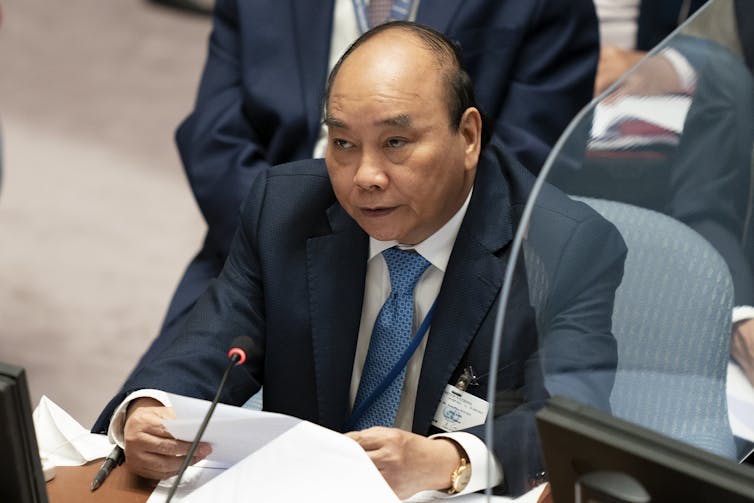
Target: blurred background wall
96 219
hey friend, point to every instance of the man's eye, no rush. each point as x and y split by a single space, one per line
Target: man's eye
396 142
342 144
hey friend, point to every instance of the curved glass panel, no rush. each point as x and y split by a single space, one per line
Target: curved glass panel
634 267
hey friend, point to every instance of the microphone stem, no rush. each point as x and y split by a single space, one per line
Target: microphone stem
187 460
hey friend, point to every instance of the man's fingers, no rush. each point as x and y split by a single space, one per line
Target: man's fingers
158 467
154 466
151 451
161 459
157 429
168 446
372 438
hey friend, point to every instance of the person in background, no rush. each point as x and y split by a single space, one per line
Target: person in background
533 65
630 28
709 173
720 89
413 209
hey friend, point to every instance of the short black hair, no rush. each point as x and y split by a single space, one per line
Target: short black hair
459 88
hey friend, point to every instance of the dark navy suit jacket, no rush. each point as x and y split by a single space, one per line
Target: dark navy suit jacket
294 282
658 19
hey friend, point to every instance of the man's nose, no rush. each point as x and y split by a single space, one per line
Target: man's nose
370 174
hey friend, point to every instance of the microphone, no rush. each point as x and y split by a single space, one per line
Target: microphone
240 348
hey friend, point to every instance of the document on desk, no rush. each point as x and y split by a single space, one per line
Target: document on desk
277 458
272 457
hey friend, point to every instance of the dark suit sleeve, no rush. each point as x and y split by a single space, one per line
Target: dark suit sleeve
552 79
219 147
577 353
233 304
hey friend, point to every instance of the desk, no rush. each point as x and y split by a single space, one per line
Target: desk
71 485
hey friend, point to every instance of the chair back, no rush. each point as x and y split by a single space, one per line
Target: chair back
672 323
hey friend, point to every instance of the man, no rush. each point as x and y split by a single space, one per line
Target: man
533 65
312 263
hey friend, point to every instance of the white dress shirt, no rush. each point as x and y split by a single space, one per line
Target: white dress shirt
618 22
436 250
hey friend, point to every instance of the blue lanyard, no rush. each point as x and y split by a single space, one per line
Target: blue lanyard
397 369
399 10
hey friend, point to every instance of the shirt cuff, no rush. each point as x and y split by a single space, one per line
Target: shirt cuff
479 458
118 422
741 313
684 70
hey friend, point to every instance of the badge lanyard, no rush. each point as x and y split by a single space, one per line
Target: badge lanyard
399 10
397 369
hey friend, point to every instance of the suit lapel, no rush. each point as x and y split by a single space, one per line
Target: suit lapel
313 25
471 284
336 269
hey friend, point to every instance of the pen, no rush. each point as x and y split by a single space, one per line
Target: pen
111 461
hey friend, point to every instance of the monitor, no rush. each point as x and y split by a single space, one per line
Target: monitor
21 479
583 446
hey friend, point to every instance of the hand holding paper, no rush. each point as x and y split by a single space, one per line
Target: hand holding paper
152 451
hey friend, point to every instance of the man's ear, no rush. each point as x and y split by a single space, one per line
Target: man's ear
470 128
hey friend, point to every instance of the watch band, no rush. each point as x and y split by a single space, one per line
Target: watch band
460 477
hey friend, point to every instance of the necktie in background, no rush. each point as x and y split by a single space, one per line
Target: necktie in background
391 337
378 11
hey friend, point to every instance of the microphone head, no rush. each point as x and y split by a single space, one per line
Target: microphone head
241 347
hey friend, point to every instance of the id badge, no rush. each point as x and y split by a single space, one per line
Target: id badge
459 410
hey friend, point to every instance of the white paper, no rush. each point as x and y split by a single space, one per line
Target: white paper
740 403
233 432
287 460
195 476
667 112
306 463
62 440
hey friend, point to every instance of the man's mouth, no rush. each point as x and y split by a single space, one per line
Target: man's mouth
377 211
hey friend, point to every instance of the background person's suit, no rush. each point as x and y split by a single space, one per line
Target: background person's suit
658 19
294 282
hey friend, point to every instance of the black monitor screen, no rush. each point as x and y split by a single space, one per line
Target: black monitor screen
21 479
579 441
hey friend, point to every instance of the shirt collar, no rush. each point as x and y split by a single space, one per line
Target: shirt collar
437 247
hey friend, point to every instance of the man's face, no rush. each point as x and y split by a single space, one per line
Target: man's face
396 165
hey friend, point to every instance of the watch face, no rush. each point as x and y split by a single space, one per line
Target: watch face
464 475
461 478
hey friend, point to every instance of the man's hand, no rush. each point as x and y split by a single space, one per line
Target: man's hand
742 347
409 462
614 62
655 77
151 451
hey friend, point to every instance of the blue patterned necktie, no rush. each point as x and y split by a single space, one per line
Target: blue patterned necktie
378 11
391 336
